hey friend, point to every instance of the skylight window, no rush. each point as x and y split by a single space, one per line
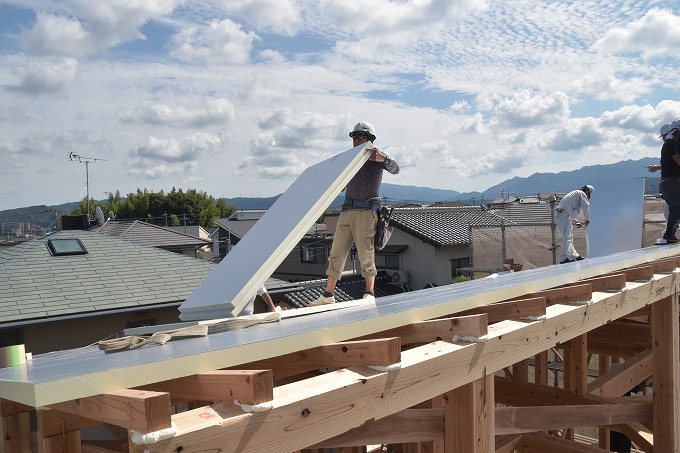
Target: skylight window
62 247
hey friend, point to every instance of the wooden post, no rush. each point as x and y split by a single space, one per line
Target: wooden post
469 419
15 427
604 362
541 368
666 374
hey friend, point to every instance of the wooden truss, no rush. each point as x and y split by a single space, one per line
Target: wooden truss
475 380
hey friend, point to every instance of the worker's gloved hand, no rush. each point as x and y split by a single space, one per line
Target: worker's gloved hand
586 223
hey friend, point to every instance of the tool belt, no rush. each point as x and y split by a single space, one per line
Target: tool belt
373 203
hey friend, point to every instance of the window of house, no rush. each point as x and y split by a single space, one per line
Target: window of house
60 247
313 254
387 261
457 264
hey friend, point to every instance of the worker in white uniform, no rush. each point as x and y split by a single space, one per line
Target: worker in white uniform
565 214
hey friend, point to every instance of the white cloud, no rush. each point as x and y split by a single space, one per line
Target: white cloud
45 76
216 112
220 42
656 34
526 109
174 150
577 134
91 26
279 16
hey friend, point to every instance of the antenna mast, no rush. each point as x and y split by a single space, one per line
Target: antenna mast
86 160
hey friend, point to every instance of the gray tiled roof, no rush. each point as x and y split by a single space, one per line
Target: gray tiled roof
442 226
150 234
236 227
114 274
526 213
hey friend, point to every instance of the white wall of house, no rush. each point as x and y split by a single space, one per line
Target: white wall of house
424 262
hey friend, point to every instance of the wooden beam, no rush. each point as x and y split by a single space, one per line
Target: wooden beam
666 371
379 352
619 380
514 309
620 339
573 292
517 420
437 329
53 422
410 425
247 386
664 265
134 409
613 282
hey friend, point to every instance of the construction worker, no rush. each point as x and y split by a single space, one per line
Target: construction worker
670 180
663 133
566 212
358 217
250 306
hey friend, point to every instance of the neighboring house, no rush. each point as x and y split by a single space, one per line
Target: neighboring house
74 287
231 230
156 236
430 244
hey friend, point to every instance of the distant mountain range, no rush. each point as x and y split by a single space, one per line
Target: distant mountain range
537 183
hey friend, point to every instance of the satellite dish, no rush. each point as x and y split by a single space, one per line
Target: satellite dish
99 215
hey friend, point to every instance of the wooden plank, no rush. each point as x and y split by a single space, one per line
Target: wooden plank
508 444
517 420
135 409
664 266
620 339
515 309
379 352
541 368
437 329
247 386
229 287
666 372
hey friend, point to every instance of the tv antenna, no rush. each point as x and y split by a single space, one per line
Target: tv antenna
87 161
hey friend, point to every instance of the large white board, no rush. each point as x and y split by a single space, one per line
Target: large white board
244 270
616 215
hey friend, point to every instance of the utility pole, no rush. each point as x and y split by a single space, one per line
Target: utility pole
73 157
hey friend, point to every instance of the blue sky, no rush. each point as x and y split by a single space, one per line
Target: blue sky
238 97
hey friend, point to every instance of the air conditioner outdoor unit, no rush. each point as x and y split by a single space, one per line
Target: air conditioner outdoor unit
399 276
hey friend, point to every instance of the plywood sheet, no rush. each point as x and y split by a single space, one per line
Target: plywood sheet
230 286
67 375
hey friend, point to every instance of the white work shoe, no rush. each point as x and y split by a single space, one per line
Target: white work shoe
368 296
322 300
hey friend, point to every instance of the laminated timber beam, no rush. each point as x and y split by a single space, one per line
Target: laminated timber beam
307 412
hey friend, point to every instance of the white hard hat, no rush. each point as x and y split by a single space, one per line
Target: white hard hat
675 124
665 129
590 188
364 128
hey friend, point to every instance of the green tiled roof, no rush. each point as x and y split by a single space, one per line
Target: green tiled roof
114 274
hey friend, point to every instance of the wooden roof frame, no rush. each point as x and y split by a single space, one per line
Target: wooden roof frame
438 391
